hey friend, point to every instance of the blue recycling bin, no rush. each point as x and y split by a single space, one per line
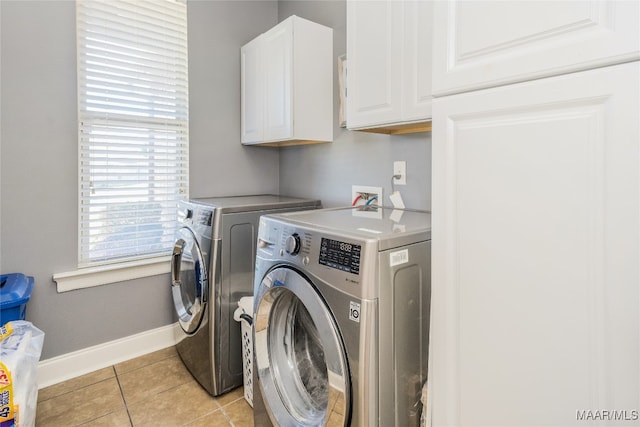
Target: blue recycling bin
15 291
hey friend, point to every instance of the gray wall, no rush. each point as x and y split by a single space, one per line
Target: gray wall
219 164
38 156
327 171
38 159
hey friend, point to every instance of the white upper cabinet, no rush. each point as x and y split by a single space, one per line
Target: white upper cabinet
536 241
252 98
479 44
388 65
287 85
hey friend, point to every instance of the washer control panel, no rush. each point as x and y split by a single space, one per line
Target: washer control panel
344 262
203 217
340 255
198 218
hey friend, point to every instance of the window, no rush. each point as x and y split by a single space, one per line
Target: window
133 126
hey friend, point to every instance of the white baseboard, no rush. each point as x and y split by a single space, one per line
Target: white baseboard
71 365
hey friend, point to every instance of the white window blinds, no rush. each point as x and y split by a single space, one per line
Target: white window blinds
133 126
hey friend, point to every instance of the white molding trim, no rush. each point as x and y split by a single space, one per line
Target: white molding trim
90 359
111 273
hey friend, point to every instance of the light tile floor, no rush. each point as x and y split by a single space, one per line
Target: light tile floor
152 390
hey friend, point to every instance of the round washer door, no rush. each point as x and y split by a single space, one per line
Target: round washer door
301 361
188 281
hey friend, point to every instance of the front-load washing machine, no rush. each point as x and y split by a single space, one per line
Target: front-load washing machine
211 269
341 316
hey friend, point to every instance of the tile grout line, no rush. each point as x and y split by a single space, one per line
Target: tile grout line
220 408
143 366
84 387
226 416
126 407
75 389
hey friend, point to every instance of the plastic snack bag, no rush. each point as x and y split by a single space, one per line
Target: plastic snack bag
20 349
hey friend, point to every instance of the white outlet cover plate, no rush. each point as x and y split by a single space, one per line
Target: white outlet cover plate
400 168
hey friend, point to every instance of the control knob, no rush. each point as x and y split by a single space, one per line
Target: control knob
292 244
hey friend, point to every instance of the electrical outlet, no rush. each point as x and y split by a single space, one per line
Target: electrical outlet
368 195
400 168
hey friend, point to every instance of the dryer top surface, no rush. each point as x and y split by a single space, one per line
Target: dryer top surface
259 202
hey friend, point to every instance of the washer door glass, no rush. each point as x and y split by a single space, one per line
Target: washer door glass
188 281
299 353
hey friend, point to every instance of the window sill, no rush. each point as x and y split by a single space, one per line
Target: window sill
105 274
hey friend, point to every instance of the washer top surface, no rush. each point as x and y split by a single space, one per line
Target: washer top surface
386 225
255 202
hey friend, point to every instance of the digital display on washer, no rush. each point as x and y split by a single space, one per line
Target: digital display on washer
340 255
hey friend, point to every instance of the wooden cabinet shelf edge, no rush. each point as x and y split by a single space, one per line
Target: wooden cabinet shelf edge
399 128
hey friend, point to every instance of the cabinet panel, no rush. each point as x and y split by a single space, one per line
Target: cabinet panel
277 51
251 93
536 237
374 55
489 43
418 16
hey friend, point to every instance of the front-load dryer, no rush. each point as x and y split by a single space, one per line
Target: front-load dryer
211 269
341 316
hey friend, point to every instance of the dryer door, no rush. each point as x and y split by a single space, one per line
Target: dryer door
301 361
188 280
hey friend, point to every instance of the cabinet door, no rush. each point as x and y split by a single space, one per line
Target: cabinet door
536 236
374 62
251 88
481 44
278 60
418 18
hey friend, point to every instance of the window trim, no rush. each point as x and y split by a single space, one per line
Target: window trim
106 274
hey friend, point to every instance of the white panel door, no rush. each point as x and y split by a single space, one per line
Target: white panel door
481 44
374 62
278 67
536 262
418 19
251 88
